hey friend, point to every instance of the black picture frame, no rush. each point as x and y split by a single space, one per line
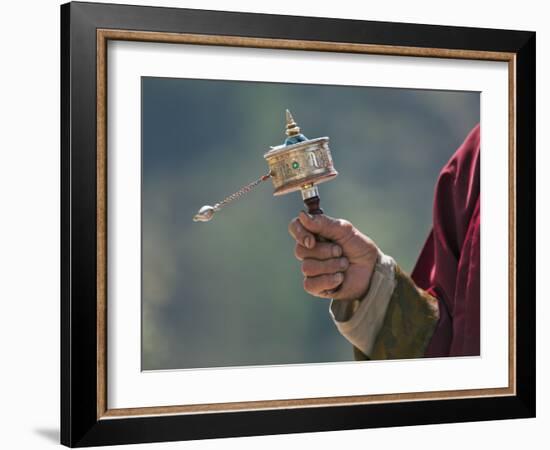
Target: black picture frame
80 425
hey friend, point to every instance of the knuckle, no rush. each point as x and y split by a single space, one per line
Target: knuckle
346 231
344 224
322 251
291 226
315 252
335 279
308 266
298 252
296 226
326 251
343 263
320 283
308 285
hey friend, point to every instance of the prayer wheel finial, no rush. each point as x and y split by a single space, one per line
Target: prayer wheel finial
292 128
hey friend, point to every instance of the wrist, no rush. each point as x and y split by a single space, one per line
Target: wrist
380 263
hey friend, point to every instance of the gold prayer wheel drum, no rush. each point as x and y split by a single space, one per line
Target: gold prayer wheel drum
297 166
300 163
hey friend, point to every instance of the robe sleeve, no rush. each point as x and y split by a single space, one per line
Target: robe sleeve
435 312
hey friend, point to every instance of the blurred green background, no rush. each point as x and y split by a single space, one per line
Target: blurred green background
229 292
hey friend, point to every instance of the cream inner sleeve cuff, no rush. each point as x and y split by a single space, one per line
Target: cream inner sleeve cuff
360 320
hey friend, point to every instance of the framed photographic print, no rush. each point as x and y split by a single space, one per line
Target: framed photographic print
277 224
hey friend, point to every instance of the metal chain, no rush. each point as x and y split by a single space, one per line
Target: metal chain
241 191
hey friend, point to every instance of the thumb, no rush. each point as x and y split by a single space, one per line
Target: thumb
326 226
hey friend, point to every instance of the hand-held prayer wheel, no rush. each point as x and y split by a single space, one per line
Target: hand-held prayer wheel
298 164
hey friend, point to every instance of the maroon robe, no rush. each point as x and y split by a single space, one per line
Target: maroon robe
448 266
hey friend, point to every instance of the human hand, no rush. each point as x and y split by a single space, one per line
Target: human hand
339 269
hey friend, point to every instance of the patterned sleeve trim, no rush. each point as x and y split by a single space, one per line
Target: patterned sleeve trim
409 323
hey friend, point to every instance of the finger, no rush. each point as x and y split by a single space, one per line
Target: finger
333 229
300 234
314 267
318 285
321 251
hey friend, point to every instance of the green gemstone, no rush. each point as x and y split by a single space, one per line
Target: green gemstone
295 165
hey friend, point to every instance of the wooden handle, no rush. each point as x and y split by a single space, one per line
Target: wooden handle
313 208
312 204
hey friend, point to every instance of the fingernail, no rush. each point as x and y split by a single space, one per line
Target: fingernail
336 251
339 277
308 242
344 263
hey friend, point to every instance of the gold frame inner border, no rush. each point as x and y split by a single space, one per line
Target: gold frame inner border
103 36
